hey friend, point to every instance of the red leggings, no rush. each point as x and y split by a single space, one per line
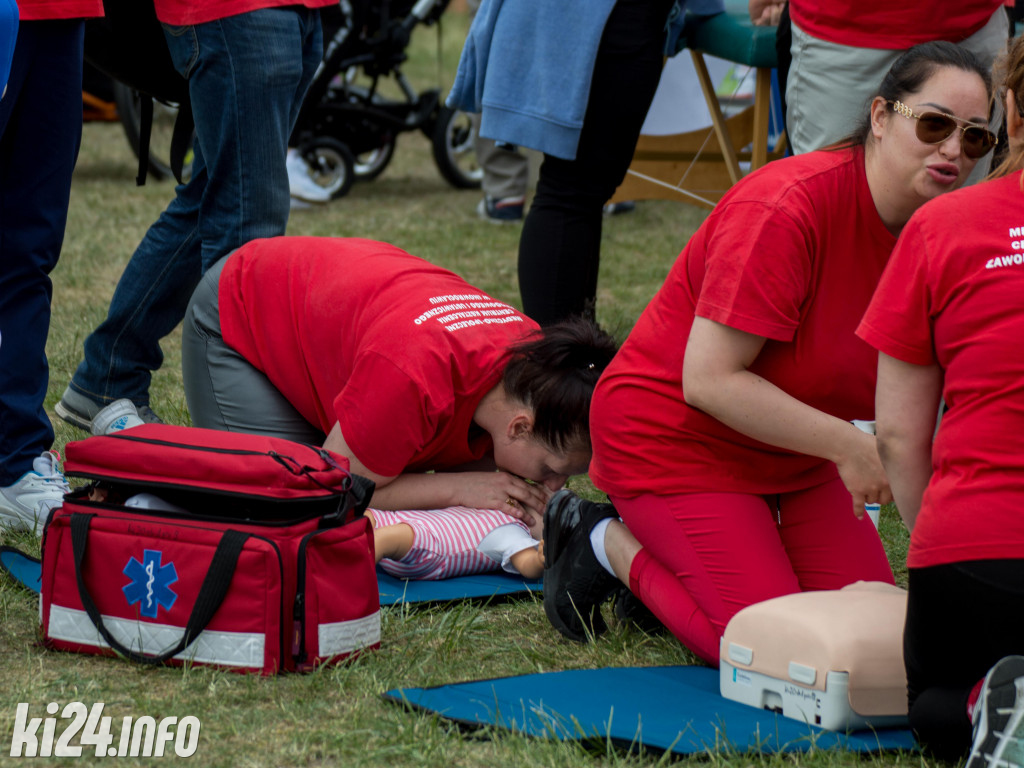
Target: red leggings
707 555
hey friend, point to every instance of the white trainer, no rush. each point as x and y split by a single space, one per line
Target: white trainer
301 183
25 505
120 414
999 717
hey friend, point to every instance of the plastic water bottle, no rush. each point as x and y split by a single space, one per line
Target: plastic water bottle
873 510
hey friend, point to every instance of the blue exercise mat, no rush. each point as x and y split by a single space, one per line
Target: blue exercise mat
27 571
479 586
676 708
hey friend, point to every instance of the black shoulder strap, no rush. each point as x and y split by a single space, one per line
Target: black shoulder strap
181 138
211 593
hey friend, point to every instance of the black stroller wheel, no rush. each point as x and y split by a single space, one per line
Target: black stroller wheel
331 165
370 165
453 149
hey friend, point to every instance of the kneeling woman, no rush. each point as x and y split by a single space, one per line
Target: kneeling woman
397 364
722 429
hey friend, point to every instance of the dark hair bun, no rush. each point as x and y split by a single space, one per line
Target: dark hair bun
554 372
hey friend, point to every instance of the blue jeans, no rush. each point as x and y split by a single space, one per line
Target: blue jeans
40 132
247 77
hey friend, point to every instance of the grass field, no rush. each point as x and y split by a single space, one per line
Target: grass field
335 716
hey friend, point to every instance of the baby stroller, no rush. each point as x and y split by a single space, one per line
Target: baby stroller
349 122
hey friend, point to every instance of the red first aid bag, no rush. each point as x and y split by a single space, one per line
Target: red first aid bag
206 547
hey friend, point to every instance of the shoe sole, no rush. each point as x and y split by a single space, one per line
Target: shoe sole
553 550
553 546
17 520
1000 700
73 418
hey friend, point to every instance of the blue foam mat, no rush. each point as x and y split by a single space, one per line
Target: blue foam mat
479 586
27 571
675 708
24 569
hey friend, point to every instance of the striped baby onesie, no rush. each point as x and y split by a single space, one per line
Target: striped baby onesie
447 541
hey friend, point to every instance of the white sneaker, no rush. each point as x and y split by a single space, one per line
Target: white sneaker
25 505
301 183
999 717
120 414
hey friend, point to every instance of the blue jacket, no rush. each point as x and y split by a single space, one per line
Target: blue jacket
527 67
8 34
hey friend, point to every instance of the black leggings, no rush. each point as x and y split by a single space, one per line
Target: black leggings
961 619
560 246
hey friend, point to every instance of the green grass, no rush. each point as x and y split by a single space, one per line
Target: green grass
335 716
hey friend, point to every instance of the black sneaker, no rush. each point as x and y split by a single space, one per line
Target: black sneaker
631 609
575 583
999 717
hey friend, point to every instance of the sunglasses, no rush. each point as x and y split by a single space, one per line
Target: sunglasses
935 127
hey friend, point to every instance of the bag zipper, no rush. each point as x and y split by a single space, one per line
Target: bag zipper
202 448
288 462
284 596
299 654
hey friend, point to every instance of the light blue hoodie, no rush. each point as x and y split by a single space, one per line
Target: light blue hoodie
527 66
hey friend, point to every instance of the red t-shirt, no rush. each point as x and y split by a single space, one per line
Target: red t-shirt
183 12
43 10
792 253
397 350
954 295
891 24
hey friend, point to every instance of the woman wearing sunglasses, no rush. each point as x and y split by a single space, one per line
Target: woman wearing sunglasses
947 320
722 428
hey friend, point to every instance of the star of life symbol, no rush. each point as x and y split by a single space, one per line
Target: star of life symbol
150 583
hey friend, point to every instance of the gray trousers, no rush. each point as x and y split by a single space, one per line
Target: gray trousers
222 389
830 86
506 171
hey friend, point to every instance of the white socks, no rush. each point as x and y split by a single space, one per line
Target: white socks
597 543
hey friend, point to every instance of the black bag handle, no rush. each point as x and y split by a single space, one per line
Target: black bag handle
211 593
361 493
181 138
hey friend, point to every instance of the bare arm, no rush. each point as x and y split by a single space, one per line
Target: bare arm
479 490
906 406
716 380
765 12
